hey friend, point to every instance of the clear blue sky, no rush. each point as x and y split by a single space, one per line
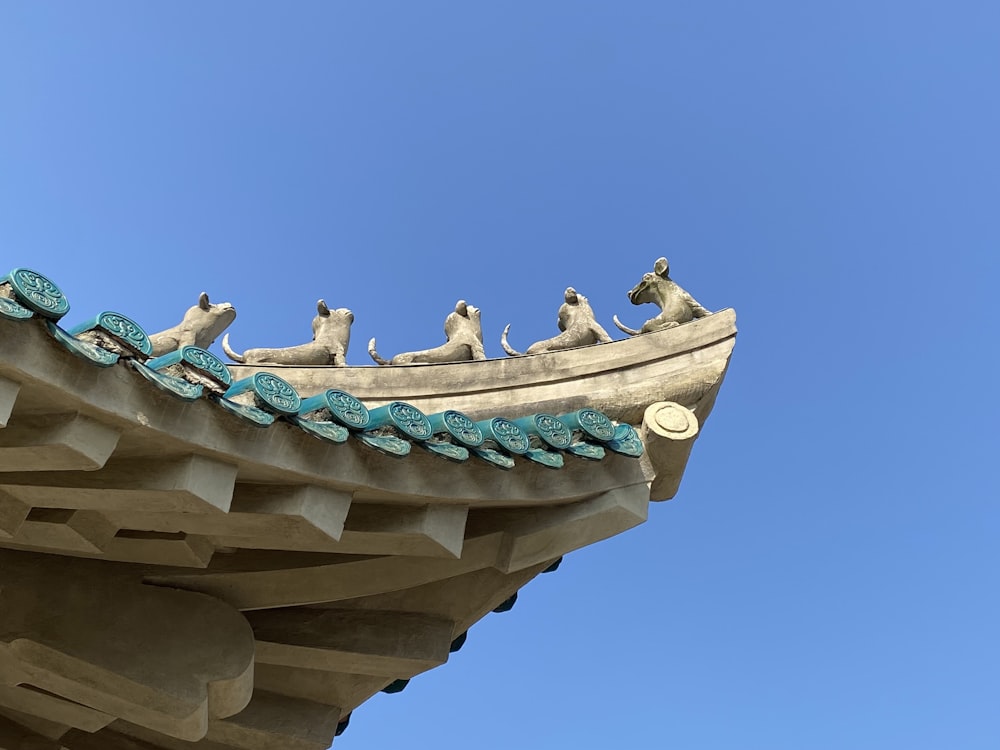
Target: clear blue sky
828 575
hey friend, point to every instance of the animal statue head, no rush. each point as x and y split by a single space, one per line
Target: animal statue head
331 336
676 305
465 320
332 325
200 327
649 287
573 305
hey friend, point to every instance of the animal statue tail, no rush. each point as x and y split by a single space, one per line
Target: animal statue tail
626 329
229 352
507 347
375 355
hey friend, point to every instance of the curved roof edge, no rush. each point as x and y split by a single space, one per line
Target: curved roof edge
685 365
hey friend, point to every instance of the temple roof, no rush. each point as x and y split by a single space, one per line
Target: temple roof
309 535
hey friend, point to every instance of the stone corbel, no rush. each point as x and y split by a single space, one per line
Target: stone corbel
164 659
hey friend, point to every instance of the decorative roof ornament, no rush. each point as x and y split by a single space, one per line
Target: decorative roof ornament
464 331
35 292
331 337
200 327
576 321
676 305
116 333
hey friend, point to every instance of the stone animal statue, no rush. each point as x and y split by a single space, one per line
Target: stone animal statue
676 305
331 336
201 326
576 321
464 331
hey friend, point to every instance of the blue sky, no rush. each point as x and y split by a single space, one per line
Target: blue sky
828 575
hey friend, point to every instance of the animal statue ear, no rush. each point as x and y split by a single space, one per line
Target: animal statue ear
462 308
661 267
203 302
322 309
571 296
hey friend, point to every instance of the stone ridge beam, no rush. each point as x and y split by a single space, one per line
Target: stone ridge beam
193 484
125 736
51 729
535 535
29 700
269 721
64 530
105 740
668 432
88 533
17 737
277 721
56 442
348 691
8 395
283 517
293 509
463 599
508 540
431 530
390 644
422 531
155 548
255 580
